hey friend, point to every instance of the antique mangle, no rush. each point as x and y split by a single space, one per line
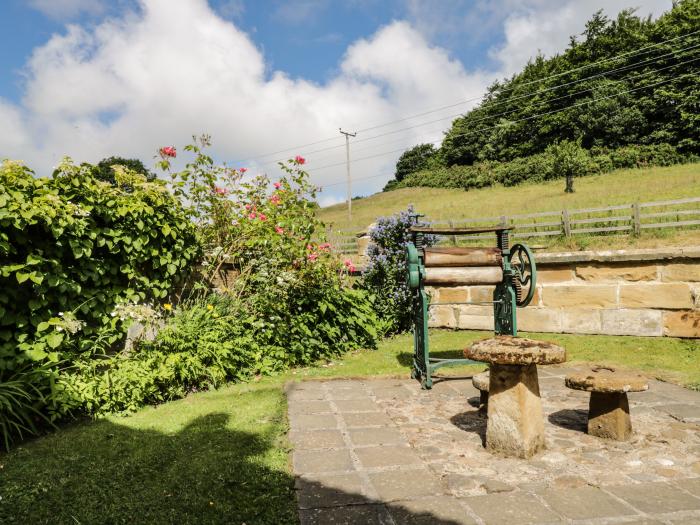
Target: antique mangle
511 269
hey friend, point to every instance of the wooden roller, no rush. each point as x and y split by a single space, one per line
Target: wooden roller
464 275
459 257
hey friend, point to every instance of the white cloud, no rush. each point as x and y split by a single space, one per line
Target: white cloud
67 9
170 69
159 75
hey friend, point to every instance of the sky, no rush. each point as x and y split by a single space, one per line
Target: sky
96 78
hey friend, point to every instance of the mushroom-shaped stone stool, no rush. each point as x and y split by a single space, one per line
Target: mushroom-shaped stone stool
515 421
481 383
608 408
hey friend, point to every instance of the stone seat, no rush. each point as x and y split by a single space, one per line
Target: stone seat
481 383
608 408
515 421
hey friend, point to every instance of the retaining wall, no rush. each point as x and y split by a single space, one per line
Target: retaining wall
625 292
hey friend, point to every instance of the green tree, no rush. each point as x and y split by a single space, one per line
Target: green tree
415 159
569 160
103 169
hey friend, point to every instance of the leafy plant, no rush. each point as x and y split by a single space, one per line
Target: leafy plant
385 273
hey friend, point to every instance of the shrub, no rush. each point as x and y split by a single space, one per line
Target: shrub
291 303
543 166
75 244
385 274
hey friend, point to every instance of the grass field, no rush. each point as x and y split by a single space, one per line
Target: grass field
619 187
223 456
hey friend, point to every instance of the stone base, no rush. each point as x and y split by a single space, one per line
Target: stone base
609 416
515 421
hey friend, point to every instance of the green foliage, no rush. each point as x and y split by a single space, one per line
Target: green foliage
415 159
651 99
514 122
291 303
542 166
24 394
71 248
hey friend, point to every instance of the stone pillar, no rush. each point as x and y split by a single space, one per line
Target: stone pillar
515 418
609 416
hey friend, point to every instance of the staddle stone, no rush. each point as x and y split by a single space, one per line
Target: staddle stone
515 421
608 409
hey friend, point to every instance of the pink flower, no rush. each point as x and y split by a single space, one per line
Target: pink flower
278 185
220 191
168 151
299 159
324 246
348 264
247 206
242 170
279 230
275 199
312 256
252 215
262 217
309 247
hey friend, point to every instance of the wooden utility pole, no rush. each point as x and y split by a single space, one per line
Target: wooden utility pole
347 165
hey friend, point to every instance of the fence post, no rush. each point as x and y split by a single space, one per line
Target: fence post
504 221
454 237
636 219
566 225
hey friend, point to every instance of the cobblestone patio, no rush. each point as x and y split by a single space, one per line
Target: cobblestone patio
384 451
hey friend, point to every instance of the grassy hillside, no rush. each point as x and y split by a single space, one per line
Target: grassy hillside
618 187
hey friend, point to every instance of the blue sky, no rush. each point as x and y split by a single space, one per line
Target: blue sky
94 78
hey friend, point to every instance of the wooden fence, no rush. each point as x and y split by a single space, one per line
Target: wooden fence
624 218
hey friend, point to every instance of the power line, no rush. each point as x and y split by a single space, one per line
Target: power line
512 99
531 117
580 68
490 117
556 75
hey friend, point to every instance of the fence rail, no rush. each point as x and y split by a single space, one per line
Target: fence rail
632 218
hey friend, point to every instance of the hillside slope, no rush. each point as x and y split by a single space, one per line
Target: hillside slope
618 187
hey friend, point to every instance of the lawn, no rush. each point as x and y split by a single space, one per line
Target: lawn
618 187
222 456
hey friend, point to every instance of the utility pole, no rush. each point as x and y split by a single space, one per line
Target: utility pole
347 165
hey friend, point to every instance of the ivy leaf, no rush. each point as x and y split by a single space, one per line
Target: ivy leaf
54 339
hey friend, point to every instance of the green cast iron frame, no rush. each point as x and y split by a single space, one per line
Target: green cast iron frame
519 270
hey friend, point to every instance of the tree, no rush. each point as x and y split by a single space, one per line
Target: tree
569 160
415 159
103 169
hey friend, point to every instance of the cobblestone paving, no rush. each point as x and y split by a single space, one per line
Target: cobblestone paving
384 451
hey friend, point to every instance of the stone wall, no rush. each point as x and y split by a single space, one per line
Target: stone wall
625 292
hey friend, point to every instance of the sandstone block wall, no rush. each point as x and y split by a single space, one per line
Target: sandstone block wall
625 292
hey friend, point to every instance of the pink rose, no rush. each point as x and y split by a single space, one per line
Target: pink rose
279 230
348 264
324 246
299 159
242 170
252 215
312 256
275 199
168 151
262 217
220 191
278 185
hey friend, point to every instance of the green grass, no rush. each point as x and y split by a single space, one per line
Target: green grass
618 187
222 456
